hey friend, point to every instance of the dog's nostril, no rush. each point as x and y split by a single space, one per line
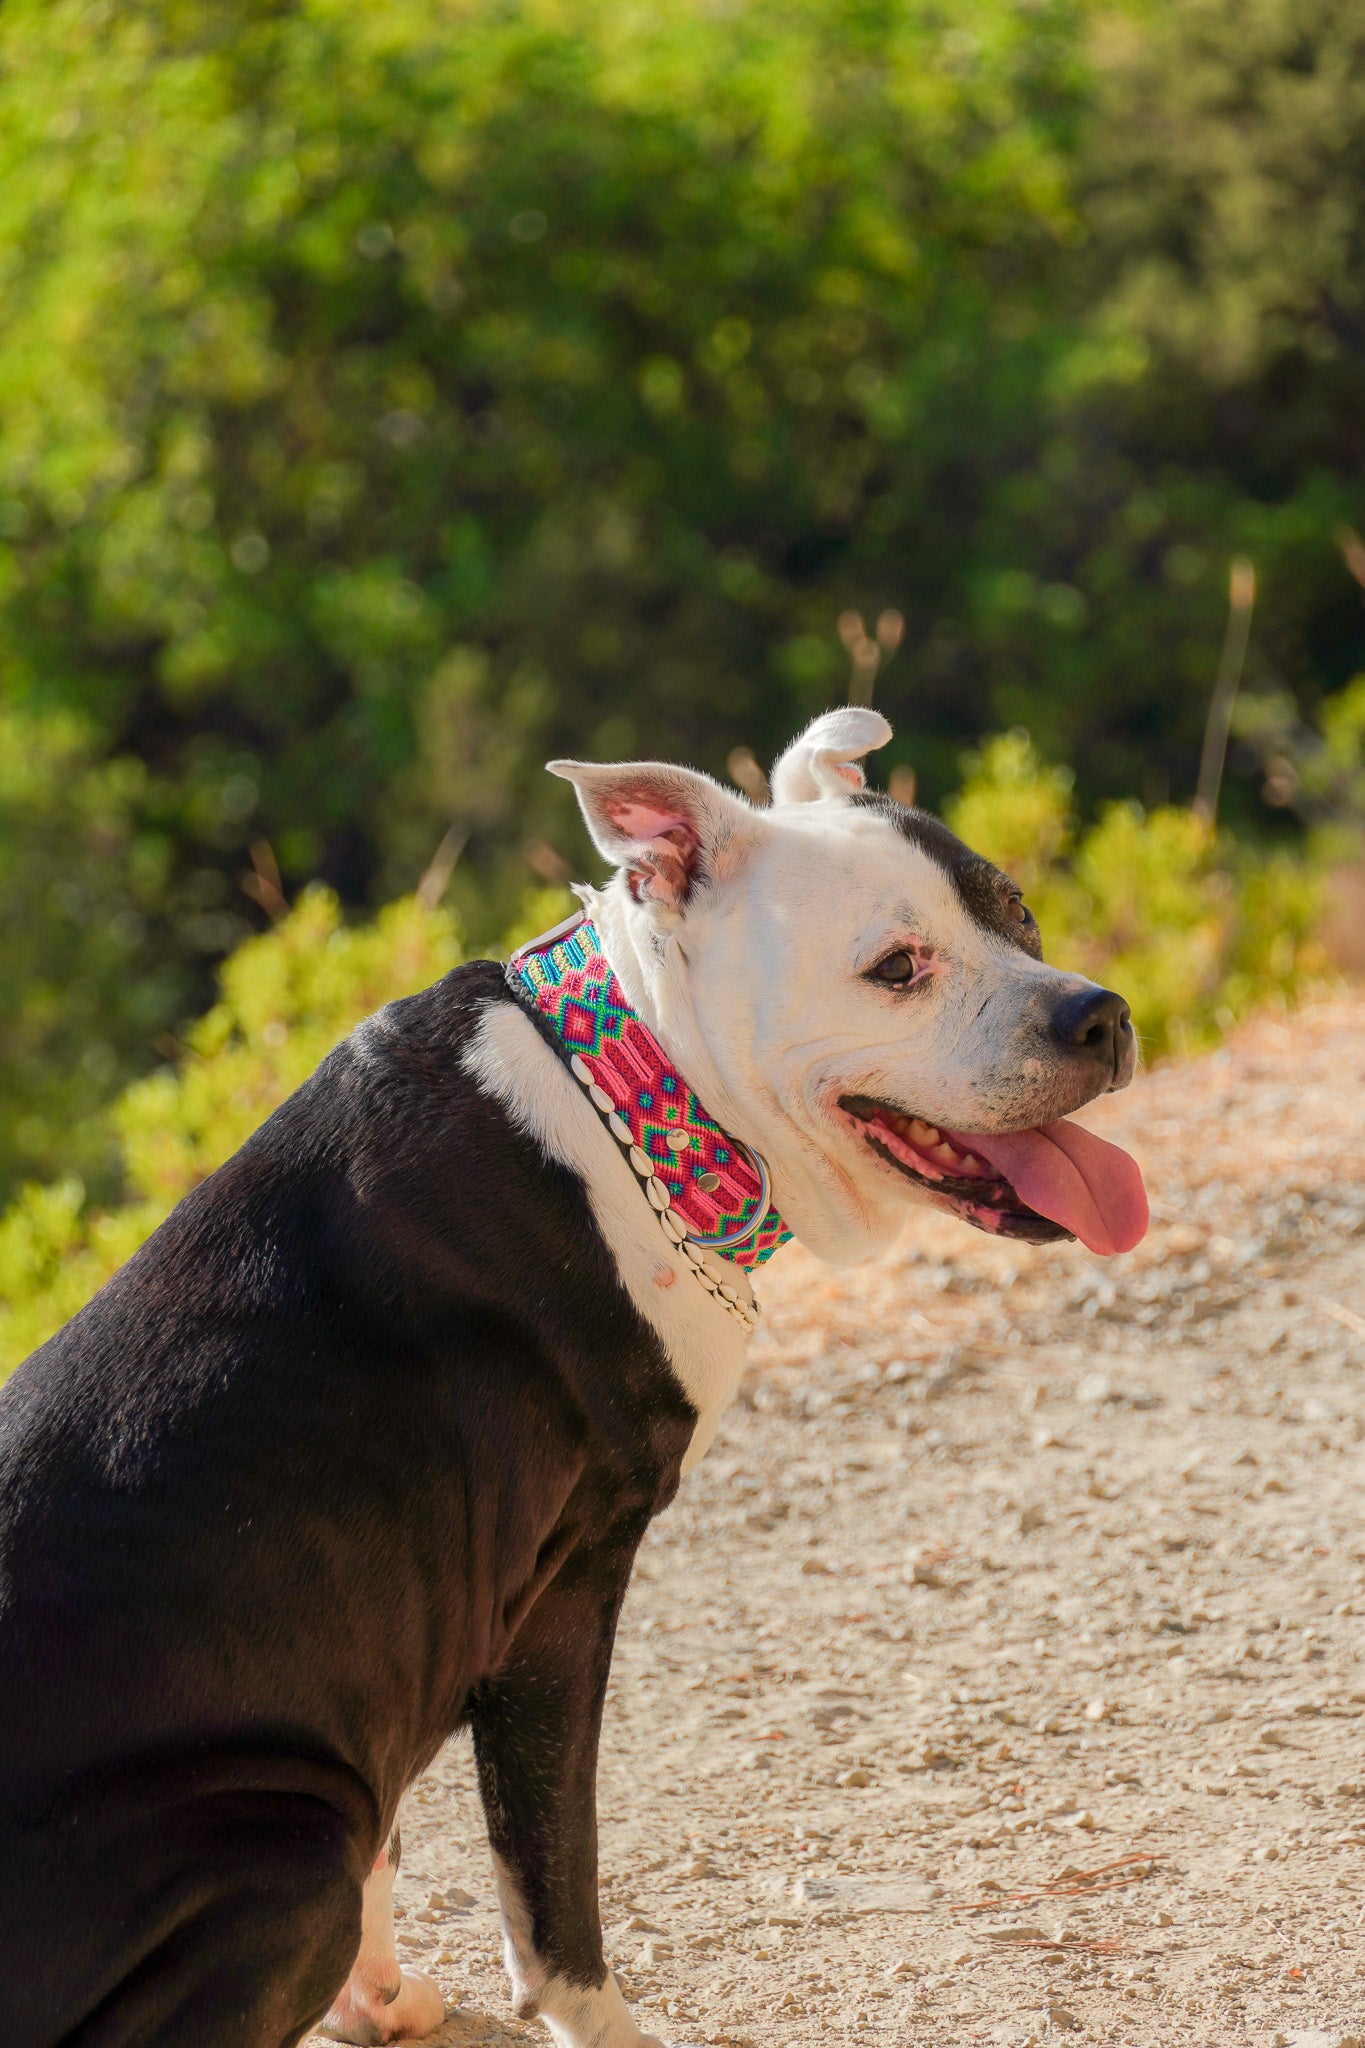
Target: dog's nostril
1094 1023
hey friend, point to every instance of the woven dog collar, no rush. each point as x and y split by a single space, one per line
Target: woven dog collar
708 1185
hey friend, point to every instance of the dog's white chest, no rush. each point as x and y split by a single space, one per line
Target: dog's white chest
510 1060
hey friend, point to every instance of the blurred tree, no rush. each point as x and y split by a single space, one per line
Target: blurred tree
1212 403
393 396
90 937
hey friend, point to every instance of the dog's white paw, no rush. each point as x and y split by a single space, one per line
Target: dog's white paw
578 2017
378 2007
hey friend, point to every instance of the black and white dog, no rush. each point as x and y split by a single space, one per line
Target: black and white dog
360 1446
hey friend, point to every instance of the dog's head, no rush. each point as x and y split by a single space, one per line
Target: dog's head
860 997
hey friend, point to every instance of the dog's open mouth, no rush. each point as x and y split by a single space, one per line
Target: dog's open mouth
1057 1180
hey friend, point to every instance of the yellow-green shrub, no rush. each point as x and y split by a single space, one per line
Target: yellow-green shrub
1191 927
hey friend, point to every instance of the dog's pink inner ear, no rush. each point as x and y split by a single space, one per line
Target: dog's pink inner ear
638 817
669 847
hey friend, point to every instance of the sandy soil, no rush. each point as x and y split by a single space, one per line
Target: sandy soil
1001 1672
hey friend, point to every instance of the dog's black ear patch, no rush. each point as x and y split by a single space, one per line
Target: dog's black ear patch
987 894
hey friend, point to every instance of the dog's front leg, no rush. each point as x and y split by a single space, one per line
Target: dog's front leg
536 1726
380 2001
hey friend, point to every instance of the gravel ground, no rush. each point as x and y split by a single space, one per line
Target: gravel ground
1000 1674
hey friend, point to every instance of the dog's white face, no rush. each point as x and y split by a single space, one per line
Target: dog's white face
860 997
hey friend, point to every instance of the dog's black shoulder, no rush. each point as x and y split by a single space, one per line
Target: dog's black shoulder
389 1215
390 1275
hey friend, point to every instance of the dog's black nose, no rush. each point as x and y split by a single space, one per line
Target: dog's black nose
1096 1023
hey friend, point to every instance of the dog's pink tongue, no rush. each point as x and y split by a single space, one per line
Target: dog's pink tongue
1089 1186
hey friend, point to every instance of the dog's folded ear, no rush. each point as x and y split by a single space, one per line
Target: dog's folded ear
669 828
823 761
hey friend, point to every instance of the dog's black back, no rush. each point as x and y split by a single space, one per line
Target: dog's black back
273 1508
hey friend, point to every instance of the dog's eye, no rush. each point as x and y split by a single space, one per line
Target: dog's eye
1018 911
896 970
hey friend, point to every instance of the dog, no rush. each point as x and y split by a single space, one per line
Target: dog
358 1449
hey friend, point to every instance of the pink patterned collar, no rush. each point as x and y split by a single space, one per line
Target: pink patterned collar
710 1190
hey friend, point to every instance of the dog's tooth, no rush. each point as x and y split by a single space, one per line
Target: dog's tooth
922 1133
944 1153
970 1159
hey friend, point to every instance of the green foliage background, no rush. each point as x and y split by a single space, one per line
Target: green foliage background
394 395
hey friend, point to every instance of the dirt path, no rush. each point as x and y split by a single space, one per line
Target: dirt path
1001 1672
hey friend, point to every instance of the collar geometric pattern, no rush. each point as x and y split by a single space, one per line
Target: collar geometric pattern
715 1185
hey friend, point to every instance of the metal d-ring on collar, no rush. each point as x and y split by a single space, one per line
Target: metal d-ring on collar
742 1232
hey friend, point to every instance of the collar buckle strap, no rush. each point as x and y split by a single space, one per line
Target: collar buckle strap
711 1192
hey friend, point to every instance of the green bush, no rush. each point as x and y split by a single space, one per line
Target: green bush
1191 927
89 958
393 395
